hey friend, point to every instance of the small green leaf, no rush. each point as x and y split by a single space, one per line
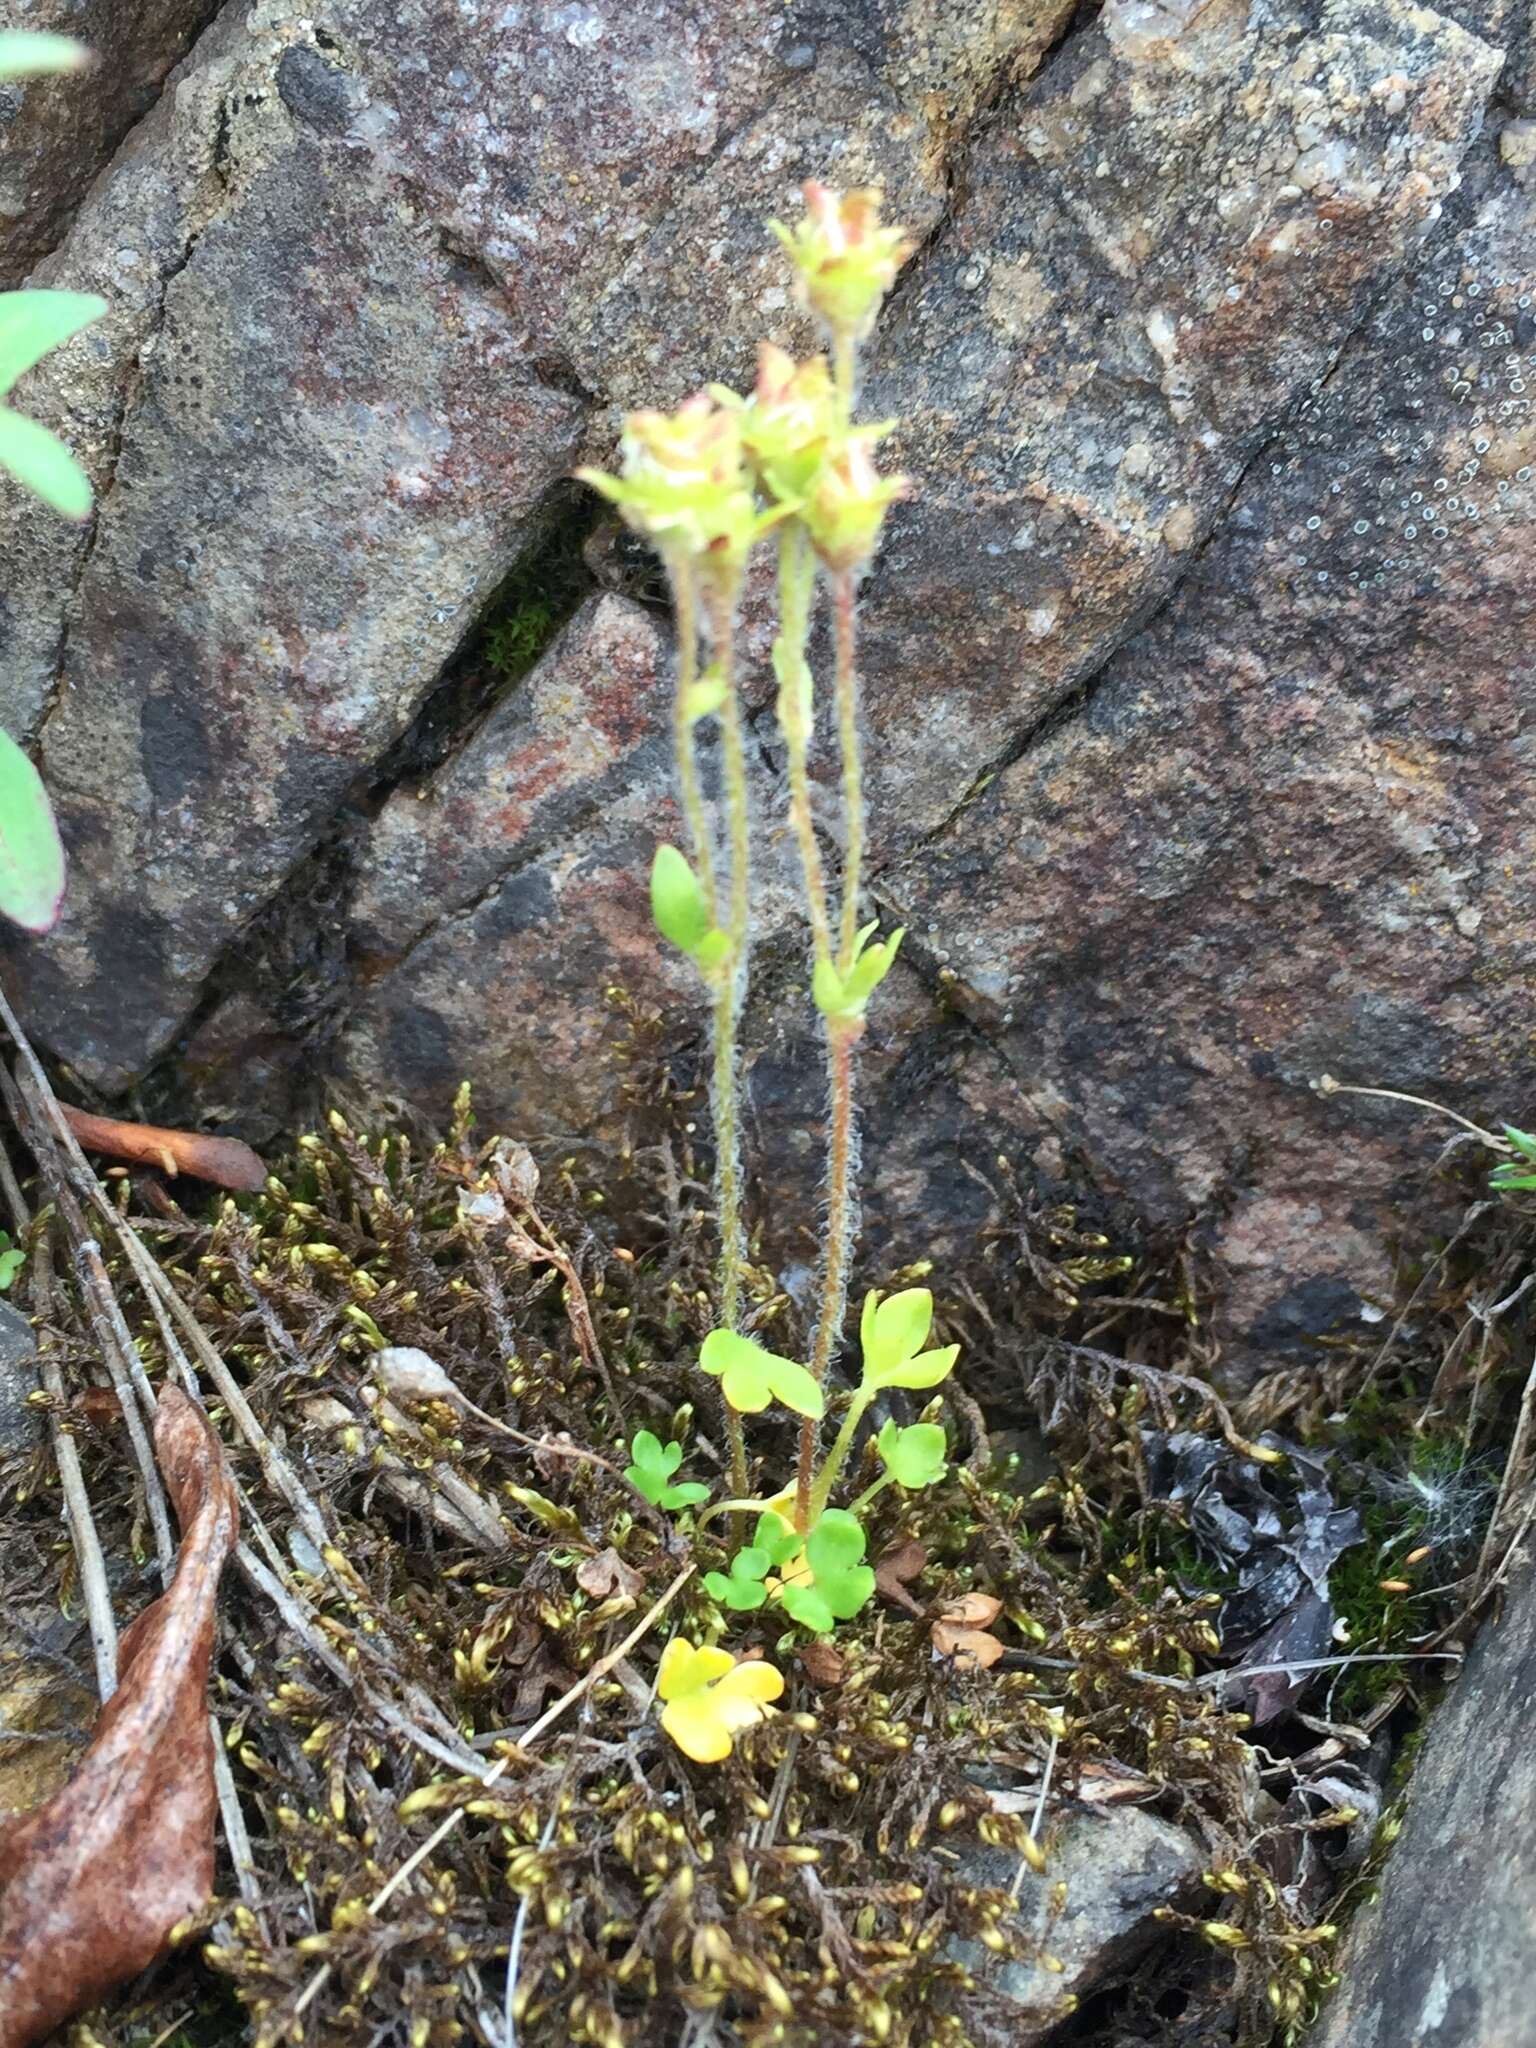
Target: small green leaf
751 1377
913 1456
827 989
835 1543
715 950
678 902
31 855
744 1588
775 1538
846 995
34 322
1523 1141
840 1582
810 1608
40 460
895 1329
29 53
796 1388
653 1466
741 1595
926 1370
891 1332
11 1263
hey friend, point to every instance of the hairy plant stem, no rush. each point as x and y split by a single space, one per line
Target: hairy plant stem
685 597
685 601
821 1493
842 1037
730 995
845 349
846 688
797 587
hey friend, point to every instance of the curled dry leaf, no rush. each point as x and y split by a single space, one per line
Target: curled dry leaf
98 1876
823 1664
515 1173
224 1161
960 1631
895 1571
607 1576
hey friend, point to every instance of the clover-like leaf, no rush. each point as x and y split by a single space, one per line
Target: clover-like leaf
710 1698
751 1377
652 1469
892 1333
777 1539
744 1588
839 1583
913 1456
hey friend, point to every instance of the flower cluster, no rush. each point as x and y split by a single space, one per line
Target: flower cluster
704 483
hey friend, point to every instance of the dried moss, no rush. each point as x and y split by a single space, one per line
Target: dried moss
808 1889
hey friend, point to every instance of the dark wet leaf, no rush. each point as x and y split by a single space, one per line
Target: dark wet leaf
1279 1530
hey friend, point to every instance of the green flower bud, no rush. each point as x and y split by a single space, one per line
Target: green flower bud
789 422
845 262
684 485
848 502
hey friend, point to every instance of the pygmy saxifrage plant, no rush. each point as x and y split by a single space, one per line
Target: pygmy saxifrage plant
704 484
31 324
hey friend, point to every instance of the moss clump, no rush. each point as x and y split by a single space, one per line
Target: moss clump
810 1887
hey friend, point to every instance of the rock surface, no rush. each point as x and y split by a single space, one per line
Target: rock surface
1199 762
1287 833
1117 1867
1443 1958
21 1425
56 133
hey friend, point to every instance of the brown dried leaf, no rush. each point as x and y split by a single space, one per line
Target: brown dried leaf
972 1649
896 1569
224 1161
822 1664
1112 1785
98 1876
971 1610
961 1631
607 1574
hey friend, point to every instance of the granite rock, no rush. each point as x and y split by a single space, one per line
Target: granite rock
1116 1868
56 133
1283 836
1440 1955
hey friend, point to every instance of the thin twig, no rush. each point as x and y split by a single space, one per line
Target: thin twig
90 1561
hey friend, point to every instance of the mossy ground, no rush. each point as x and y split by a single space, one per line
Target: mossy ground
806 1890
